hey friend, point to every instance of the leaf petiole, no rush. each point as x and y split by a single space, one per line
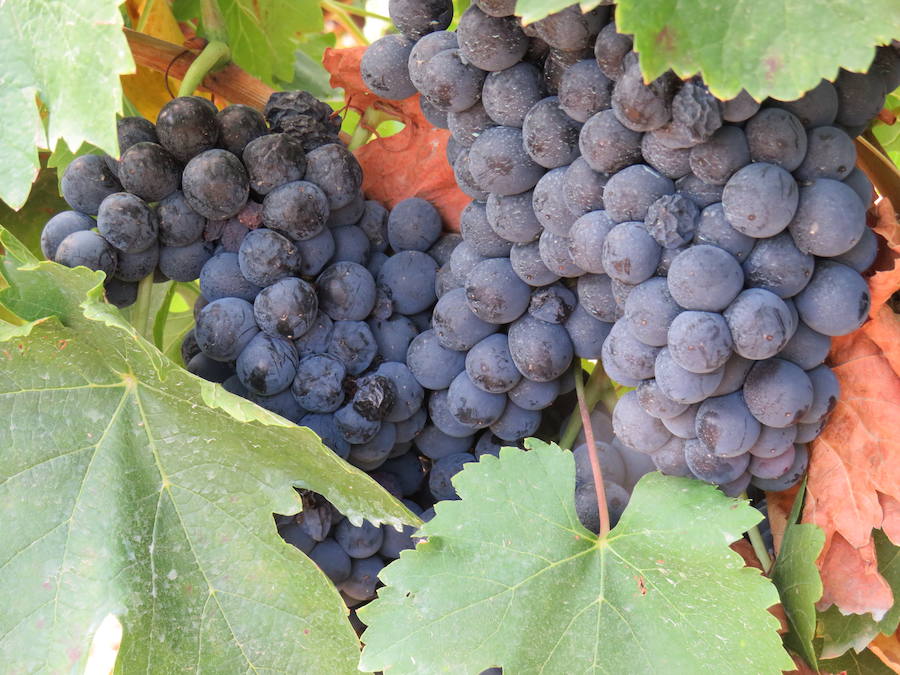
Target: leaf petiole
592 454
214 54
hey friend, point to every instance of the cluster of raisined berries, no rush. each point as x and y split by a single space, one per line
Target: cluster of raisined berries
704 250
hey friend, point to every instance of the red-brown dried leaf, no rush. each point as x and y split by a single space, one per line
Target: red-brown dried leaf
412 163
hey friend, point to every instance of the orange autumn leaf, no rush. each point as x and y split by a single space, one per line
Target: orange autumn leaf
887 648
412 163
854 475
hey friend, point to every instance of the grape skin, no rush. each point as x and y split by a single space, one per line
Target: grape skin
712 468
635 428
61 226
778 393
776 136
267 365
499 163
87 248
777 265
836 300
384 67
215 184
760 200
699 341
725 425
488 42
830 218
705 278
760 324
541 351
629 254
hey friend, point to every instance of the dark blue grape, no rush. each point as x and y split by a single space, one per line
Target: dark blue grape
532 395
346 291
549 135
710 467
179 224
267 365
725 425
541 351
830 218
836 300
315 252
135 266
682 385
490 367
225 327
778 393
760 323
760 199
149 171
221 277
409 278
705 278
354 427
88 249
215 184
713 228
186 263
350 244
266 256
287 308
509 94
324 426
435 444
187 126
352 342
629 254
433 365
319 383
273 160
363 579
776 136
331 558
238 125
86 182
393 336
298 210
336 171
443 471
455 325
127 222
384 67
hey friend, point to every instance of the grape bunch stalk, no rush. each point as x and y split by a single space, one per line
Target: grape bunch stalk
705 251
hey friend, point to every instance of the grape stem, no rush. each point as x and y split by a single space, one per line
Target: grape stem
340 13
367 126
357 11
214 54
759 546
593 394
592 454
141 313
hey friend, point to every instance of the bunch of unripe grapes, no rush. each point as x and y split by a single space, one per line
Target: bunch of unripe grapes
704 250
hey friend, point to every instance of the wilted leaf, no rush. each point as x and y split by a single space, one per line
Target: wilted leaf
68 53
841 632
509 577
130 487
768 47
412 163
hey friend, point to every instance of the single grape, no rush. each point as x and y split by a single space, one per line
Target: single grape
630 192
352 342
415 18
472 406
734 372
760 200
669 459
649 311
353 427
512 217
836 300
570 28
187 126
549 135
225 327
629 254
587 333
778 393
554 251
178 223
423 50
265 257
862 256
700 192
220 277
682 385
494 293
826 392
528 264
371 455
791 477
215 184
186 263
478 235
490 367
830 154
610 50
710 467
740 108
635 428
393 336
776 136
442 472
325 428
135 266
584 90
629 354
467 125
683 425
608 146
716 160
639 106
350 244
433 365
725 425
238 125
490 43
450 81
699 341
816 108
777 265
149 171
830 218
860 98
550 205
541 351
273 160
705 278
336 171
435 444
384 67
670 162
696 114
531 395
773 442
499 163
552 304
713 228
672 220
861 185
88 249
318 384
509 94
298 210
267 365
583 187
127 222
287 308
760 323
655 403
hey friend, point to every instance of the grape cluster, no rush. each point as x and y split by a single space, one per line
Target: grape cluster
184 189
704 250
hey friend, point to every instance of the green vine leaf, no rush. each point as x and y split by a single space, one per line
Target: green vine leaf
851 663
509 577
69 54
768 47
130 487
841 632
797 578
